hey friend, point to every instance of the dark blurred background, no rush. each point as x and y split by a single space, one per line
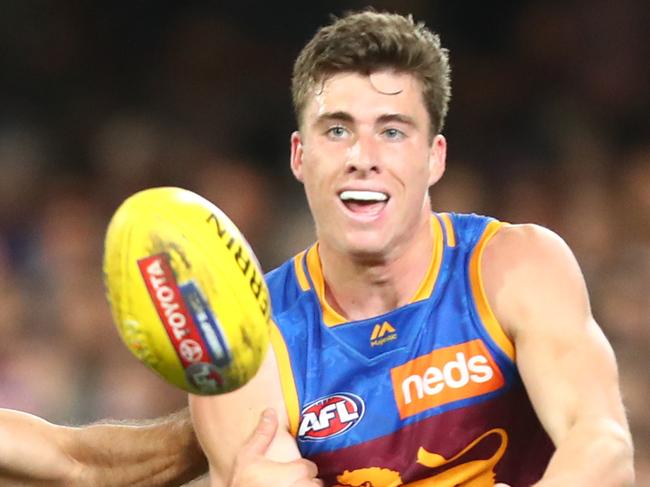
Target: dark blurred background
548 124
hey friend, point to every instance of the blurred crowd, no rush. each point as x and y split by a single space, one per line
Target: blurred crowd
548 124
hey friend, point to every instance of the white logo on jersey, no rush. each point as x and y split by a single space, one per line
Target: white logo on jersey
330 416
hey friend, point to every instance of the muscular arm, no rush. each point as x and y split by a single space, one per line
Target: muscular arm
34 452
568 367
235 416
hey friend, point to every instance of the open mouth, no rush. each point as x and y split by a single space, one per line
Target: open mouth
361 202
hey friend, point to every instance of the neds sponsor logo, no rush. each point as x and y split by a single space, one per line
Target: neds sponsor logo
445 375
330 416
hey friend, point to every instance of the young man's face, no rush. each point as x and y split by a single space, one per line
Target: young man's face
366 160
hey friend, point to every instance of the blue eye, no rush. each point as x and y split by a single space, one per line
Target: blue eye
337 132
394 133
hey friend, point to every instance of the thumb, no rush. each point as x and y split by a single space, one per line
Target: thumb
500 484
263 435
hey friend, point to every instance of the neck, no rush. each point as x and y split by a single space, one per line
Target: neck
361 287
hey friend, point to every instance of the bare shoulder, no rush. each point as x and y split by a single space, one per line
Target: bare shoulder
530 272
536 290
527 245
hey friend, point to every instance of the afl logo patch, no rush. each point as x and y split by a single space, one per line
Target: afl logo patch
330 416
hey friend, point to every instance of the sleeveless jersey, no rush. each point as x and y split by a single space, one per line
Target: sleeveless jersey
425 395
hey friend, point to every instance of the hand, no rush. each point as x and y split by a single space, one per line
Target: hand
253 469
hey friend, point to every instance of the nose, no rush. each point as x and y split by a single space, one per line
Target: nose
363 156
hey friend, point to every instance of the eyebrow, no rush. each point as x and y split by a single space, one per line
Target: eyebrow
335 116
385 118
396 117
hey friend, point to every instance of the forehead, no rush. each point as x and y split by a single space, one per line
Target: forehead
370 96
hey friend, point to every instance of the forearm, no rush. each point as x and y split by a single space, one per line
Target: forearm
592 453
32 452
159 454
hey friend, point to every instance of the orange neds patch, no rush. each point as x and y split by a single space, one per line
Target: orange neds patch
443 376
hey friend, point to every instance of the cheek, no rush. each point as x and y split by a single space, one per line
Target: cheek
412 167
317 173
314 184
415 179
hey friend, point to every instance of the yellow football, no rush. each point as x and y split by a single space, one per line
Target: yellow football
186 291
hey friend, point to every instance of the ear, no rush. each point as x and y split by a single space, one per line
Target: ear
296 155
437 159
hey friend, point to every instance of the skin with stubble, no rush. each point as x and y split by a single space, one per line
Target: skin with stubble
369 133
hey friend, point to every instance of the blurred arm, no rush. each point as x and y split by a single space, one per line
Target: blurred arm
34 452
538 294
260 451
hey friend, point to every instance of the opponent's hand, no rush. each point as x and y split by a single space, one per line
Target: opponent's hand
253 469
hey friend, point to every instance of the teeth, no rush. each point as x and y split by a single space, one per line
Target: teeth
363 196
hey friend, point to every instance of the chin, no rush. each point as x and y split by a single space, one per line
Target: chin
366 250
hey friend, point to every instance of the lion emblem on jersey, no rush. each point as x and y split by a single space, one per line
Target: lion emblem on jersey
475 473
369 477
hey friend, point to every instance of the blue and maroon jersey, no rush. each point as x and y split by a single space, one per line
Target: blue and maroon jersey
427 394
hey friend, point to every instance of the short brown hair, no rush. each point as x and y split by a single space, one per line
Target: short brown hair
368 41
